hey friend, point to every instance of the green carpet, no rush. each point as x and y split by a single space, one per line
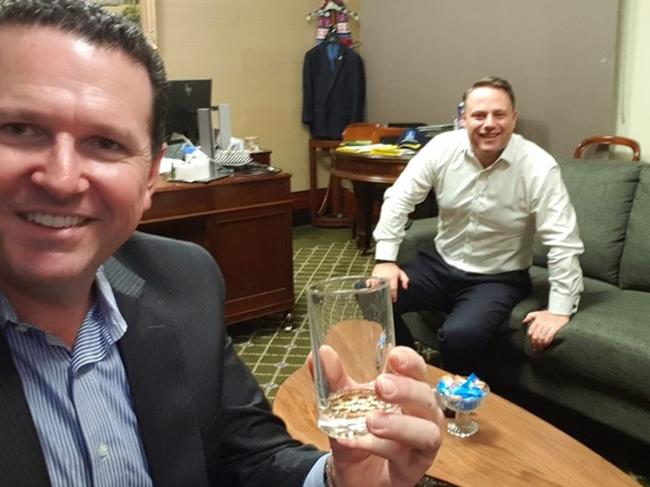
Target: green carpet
270 348
273 350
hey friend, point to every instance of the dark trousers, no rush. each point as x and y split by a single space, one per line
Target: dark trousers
475 304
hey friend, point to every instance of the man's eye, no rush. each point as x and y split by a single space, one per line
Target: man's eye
105 144
20 130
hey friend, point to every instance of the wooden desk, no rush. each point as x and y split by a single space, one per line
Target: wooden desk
366 171
245 223
512 448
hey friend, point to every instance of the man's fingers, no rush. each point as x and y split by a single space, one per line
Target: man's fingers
405 279
406 361
529 317
409 444
543 326
393 274
417 433
334 370
394 282
407 385
541 337
415 398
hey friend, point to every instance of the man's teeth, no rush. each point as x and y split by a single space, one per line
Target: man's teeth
54 221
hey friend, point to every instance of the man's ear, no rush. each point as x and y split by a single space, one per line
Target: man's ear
152 178
154 170
515 117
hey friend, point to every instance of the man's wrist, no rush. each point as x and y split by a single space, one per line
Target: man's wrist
383 261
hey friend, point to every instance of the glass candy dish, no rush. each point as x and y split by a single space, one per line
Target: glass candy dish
463 395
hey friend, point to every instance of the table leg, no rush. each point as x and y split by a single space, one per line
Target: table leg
364 198
333 196
313 182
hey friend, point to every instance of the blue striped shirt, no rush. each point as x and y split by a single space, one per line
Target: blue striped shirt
79 399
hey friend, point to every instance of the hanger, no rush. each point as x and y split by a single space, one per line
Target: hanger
331 35
332 6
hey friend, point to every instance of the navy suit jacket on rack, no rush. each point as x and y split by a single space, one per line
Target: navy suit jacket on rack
334 92
202 418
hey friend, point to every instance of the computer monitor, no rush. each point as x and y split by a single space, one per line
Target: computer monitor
185 98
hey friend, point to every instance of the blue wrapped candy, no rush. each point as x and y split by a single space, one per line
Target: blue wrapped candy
461 394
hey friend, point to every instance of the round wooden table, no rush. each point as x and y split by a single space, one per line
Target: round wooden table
512 448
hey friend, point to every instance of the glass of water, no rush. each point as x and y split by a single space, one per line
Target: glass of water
352 332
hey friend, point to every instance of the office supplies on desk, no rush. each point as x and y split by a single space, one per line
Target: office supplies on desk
199 174
232 158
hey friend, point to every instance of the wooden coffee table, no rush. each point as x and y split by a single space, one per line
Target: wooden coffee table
512 448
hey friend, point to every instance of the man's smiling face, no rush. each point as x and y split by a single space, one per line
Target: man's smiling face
76 169
490 120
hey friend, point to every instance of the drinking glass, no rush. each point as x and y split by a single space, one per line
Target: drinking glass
352 332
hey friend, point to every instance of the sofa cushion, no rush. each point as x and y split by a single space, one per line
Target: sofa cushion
608 340
635 263
601 193
419 233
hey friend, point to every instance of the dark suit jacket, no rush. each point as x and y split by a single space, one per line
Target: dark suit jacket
332 98
202 418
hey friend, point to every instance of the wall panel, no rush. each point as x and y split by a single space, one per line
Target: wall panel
560 57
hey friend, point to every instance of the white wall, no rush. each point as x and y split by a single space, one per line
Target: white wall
633 94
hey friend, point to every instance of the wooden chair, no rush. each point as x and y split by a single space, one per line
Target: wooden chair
389 132
609 140
329 213
359 131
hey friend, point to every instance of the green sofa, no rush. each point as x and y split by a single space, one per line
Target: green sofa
599 365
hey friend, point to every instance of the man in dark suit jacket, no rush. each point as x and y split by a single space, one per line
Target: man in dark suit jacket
115 368
178 359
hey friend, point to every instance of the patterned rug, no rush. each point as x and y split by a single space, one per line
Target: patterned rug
272 349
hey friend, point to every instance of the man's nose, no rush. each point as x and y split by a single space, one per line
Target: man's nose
489 120
62 173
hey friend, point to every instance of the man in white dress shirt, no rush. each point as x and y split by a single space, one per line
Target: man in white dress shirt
496 191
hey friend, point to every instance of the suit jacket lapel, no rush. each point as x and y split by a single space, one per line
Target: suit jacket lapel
21 458
162 399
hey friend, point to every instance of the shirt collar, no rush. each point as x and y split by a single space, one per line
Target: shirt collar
509 153
104 298
7 313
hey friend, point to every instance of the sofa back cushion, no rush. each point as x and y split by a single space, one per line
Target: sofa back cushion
602 193
635 263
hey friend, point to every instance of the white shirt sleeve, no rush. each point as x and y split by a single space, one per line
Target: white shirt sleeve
411 188
557 228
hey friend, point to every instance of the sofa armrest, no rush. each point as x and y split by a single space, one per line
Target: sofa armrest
420 232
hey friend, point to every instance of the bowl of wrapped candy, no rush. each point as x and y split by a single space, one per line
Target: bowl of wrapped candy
463 395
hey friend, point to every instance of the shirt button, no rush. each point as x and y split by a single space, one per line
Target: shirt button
102 450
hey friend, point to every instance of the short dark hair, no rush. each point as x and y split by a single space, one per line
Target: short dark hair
102 28
493 82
